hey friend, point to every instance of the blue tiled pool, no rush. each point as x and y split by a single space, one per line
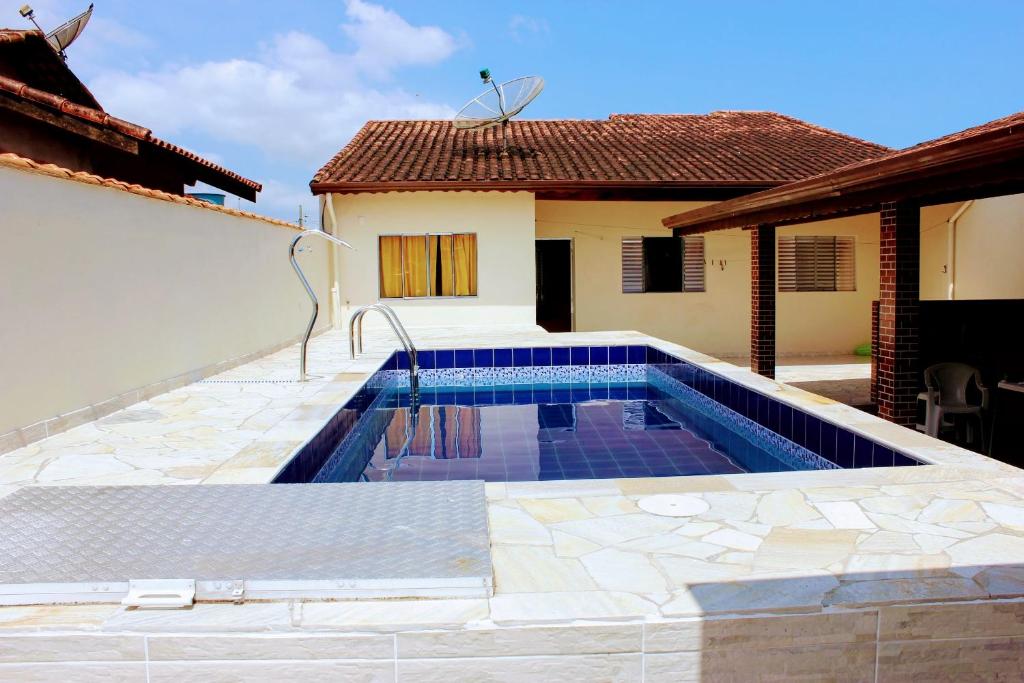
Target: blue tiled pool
589 412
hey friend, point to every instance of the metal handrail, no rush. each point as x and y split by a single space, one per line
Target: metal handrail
355 345
397 327
309 290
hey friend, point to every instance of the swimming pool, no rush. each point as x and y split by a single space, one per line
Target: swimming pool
588 412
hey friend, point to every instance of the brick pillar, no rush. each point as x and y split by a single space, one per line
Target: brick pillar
874 352
899 299
762 300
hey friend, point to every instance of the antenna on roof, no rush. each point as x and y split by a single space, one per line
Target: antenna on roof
65 34
499 104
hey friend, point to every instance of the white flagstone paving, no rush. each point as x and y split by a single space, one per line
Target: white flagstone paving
582 554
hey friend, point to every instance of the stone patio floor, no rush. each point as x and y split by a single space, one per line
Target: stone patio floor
842 378
862 570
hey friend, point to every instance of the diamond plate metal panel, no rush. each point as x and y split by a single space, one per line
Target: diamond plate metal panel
417 534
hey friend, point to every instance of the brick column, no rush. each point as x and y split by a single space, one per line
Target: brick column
899 299
874 353
762 300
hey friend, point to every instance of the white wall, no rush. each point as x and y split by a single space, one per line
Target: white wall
716 321
503 222
989 242
103 291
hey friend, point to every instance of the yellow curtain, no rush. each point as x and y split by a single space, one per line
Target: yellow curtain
391 267
414 251
442 267
465 265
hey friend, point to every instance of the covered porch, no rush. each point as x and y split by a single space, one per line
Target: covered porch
979 163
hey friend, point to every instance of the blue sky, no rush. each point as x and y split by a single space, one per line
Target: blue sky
274 89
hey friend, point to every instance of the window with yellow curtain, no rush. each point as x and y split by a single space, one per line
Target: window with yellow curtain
391 286
442 265
465 264
431 265
414 256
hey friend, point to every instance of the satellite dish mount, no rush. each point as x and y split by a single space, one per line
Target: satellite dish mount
65 34
498 105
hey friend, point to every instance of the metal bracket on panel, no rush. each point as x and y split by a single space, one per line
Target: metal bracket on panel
160 593
220 590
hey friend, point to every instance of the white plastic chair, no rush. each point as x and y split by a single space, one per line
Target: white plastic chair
946 396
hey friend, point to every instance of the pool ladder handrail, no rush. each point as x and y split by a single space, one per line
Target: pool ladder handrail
355 339
309 290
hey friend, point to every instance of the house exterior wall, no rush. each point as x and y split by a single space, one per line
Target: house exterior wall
104 292
503 223
716 321
989 244
832 322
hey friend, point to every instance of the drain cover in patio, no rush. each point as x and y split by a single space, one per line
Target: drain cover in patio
395 539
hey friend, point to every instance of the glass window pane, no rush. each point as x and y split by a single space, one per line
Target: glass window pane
390 249
663 264
442 265
414 255
465 264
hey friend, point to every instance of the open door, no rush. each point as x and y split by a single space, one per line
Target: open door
554 284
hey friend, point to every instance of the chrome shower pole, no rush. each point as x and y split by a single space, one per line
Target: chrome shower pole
309 290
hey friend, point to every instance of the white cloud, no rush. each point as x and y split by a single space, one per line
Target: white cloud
386 41
297 101
520 26
282 199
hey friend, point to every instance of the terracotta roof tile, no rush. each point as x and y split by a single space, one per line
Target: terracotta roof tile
26 56
99 117
997 126
723 148
954 164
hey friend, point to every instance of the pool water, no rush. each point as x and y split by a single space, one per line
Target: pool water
543 432
580 412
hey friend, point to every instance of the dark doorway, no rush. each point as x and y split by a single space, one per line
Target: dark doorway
554 285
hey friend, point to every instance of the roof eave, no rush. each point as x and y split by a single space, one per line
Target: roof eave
858 187
346 187
60 109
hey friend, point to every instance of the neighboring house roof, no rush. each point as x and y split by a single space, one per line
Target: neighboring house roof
982 161
206 171
723 149
33 75
8 160
26 56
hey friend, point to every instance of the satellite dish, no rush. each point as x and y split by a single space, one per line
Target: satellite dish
499 104
65 34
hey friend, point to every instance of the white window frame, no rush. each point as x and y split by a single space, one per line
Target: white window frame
427 236
631 263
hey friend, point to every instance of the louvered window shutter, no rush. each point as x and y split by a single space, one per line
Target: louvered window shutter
693 264
806 263
816 263
787 264
846 264
632 265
